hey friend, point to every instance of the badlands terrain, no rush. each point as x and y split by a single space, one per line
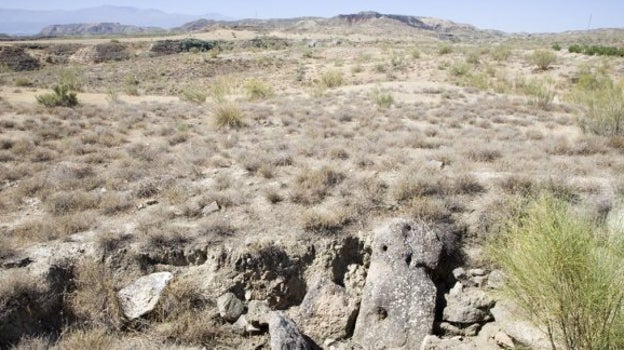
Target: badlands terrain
293 184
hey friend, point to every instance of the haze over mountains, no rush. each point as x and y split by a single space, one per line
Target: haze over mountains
28 22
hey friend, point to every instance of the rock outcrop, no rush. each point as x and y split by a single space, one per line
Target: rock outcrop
399 298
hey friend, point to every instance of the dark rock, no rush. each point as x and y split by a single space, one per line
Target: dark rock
286 336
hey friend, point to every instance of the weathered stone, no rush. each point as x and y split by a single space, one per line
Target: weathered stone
506 315
243 327
258 313
467 307
286 336
230 307
496 280
141 297
327 311
210 208
504 341
398 301
460 274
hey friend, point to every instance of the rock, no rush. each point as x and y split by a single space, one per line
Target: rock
398 301
504 341
468 306
355 279
506 315
286 336
477 272
496 280
327 311
452 330
230 307
210 208
243 327
141 297
460 274
258 313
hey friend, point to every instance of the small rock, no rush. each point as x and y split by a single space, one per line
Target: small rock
141 297
504 341
496 280
210 208
258 313
459 274
472 330
477 272
479 281
242 327
286 336
468 306
230 307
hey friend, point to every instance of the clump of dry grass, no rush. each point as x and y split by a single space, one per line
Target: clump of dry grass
326 220
184 315
87 338
228 116
312 185
94 301
63 203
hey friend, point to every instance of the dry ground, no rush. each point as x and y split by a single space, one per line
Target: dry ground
333 139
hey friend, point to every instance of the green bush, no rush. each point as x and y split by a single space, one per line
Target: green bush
258 90
382 99
540 93
445 49
501 53
565 273
194 94
597 50
543 59
332 79
602 101
61 96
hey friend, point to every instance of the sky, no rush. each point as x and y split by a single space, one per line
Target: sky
510 16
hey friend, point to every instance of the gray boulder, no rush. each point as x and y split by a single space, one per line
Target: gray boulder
230 307
327 311
141 297
398 302
286 336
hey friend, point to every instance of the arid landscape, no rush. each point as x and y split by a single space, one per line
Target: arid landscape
174 191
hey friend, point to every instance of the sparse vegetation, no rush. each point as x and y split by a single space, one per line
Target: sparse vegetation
543 59
565 273
258 90
61 96
331 79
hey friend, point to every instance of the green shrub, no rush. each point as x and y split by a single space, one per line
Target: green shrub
565 273
23 82
382 99
258 90
445 49
460 69
543 59
556 47
540 93
501 53
194 94
332 79
597 50
602 101
61 96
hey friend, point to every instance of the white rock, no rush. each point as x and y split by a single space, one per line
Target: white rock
141 297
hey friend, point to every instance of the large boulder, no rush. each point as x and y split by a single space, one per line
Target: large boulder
286 336
327 311
142 296
399 298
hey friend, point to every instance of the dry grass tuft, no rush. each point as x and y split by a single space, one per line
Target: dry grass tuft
313 185
94 302
228 116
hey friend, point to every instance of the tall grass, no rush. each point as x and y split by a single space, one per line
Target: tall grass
566 273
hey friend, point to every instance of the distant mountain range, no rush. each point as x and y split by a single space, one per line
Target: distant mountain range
27 22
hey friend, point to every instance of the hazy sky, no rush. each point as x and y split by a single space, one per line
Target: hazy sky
516 15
